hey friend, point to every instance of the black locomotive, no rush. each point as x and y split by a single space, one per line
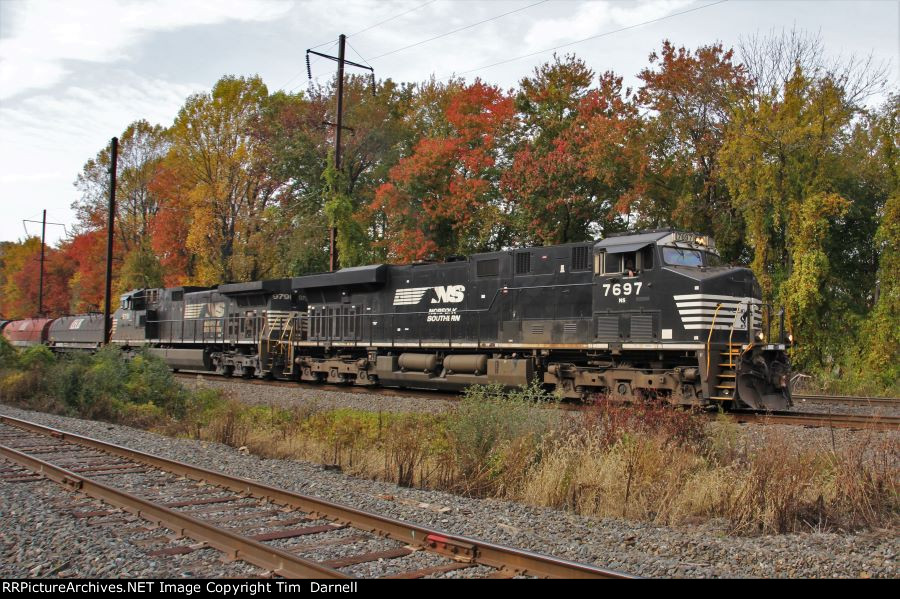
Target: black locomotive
652 315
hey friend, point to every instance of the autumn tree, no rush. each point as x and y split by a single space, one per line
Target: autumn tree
141 149
689 96
229 186
783 160
20 279
553 199
86 253
443 199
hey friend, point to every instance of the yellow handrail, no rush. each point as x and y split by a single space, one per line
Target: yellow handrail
731 336
712 327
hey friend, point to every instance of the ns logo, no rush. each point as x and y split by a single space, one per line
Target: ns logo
445 294
449 294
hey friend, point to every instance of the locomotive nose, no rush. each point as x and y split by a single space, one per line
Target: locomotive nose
738 282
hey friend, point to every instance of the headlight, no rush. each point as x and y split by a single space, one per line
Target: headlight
760 336
790 338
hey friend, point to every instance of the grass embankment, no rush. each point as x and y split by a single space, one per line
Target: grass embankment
644 463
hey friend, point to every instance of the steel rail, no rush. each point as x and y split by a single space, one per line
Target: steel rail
848 399
454 546
235 546
854 421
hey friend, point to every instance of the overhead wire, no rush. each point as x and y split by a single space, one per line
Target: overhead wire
471 25
314 60
392 18
334 43
592 37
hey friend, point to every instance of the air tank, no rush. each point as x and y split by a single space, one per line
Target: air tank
466 364
418 362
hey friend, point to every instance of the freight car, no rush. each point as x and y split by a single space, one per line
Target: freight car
652 315
28 332
68 333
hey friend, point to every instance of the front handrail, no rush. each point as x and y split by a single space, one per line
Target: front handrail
712 327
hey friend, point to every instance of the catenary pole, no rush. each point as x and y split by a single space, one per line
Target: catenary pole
41 284
113 160
334 260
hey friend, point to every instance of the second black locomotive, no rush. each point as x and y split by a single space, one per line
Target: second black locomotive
645 315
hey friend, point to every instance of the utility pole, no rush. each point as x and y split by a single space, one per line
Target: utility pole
334 260
44 224
113 161
332 245
41 284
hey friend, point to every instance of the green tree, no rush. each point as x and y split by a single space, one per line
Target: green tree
225 164
689 96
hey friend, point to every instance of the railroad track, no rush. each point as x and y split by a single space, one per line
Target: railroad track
853 421
280 531
359 389
849 399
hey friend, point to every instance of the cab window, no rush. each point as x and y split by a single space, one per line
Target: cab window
714 260
622 263
682 257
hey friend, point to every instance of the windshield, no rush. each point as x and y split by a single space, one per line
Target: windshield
714 260
682 257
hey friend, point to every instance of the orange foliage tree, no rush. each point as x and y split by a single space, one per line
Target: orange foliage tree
444 199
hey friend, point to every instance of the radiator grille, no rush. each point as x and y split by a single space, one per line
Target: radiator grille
537 329
642 327
580 258
570 327
608 328
523 263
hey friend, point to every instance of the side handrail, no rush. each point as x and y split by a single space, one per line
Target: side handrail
712 327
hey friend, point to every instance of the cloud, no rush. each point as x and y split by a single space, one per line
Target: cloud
592 18
47 137
43 35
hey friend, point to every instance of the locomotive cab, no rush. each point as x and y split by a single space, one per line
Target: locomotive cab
670 290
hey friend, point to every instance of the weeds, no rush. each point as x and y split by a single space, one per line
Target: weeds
644 462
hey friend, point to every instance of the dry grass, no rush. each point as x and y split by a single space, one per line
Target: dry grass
644 463
649 464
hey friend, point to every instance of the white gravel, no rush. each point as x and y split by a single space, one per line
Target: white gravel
636 548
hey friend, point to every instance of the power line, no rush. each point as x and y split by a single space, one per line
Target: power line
357 53
389 20
317 58
599 35
425 41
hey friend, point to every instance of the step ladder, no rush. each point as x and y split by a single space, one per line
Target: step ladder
726 379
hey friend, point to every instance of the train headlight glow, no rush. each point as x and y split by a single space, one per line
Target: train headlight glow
760 336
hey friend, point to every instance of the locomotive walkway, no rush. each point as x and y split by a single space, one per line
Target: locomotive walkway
257 523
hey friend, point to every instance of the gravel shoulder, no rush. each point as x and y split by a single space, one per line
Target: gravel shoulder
636 548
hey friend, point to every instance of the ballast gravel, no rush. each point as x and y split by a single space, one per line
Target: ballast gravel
35 540
40 538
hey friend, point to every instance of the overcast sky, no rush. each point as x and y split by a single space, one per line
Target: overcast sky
73 74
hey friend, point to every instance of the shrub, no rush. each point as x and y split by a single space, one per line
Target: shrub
36 357
485 424
9 357
149 381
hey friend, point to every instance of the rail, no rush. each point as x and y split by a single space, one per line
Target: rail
460 551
